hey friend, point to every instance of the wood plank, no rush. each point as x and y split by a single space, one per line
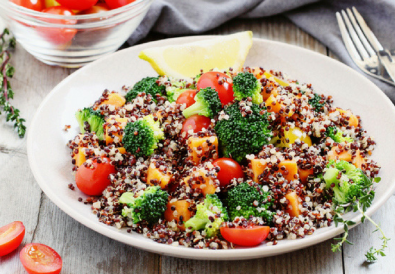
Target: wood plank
316 259
363 239
19 194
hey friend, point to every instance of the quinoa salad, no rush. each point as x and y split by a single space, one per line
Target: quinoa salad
226 159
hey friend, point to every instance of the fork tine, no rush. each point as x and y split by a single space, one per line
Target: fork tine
354 37
347 39
366 31
360 34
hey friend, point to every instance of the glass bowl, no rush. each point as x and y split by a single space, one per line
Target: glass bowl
72 41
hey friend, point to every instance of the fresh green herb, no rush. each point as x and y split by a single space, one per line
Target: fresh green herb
353 191
6 93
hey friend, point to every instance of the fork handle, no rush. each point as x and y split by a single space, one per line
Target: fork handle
388 62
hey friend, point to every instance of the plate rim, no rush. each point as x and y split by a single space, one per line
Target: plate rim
198 254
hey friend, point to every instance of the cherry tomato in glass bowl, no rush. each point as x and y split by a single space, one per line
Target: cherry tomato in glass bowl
114 4
40 259
187 98
58 36
245 236
77 4
36 5
11 236
219 81
195 123
229 169
93 179
98 8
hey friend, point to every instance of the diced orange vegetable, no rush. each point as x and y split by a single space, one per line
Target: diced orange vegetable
293 207
121 124
114 99
121 150
291 169
157 177
80 157
198 147
358 160
207 187
352 120
274 106
305 173
269 89
343 155
181 208
257 168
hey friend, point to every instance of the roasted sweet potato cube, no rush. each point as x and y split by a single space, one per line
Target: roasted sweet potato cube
203 148
157 177
114 99
178 211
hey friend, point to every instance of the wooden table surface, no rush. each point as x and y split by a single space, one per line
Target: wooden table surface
85 251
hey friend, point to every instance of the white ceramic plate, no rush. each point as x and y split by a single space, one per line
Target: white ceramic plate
51 164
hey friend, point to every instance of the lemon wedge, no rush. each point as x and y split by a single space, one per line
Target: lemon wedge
186 60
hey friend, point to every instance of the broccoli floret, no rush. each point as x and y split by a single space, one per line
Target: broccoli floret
177 87
94 119
246 85
348 182
148 206
147 85
337 135
209 216
317 103
142 136
207 103
245 201
241 135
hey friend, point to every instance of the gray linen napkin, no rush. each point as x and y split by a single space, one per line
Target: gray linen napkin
184 17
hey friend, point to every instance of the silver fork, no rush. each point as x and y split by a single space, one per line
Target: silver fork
364 48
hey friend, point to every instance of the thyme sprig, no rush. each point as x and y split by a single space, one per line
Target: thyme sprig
361 205
7 43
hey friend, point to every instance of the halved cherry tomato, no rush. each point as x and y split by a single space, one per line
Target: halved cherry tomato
98 8
196 123
114 4
58 36
229 169
11 236
77 4
248 236
36 5
92 180
40 259
221 82
187 98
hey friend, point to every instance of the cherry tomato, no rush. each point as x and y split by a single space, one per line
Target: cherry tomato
92 180
77 4
36 5
40 259
187 98
58 36
229 169
114 4
248 236
98 8
196 123
51 3
11 236
221 82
